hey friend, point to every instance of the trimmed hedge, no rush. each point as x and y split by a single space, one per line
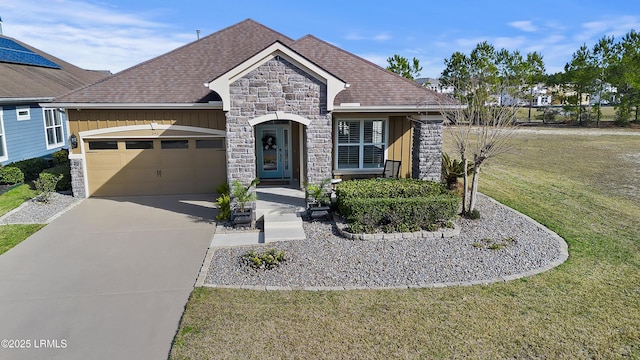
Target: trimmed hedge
64 170
11 175
31 168
388 188
395 205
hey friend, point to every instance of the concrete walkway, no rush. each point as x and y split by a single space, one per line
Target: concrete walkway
107 280
281 208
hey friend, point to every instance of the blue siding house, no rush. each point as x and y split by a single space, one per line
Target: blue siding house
29 79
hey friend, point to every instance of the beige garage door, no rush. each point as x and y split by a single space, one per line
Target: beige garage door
154 167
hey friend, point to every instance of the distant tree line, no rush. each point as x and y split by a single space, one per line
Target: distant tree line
495 76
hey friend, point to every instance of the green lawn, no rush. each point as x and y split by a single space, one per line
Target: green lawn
584 188
608 114
12 235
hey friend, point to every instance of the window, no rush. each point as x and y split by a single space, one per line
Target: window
53 128
3 141
103 145
361 144
23 113
210 144
174 144
138 144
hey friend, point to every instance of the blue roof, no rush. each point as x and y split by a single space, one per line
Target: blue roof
12 52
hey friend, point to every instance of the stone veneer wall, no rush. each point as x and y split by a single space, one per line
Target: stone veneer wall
277 85
427 150
77 178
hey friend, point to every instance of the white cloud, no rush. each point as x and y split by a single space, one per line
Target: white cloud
619 26
355 36
526 26
90 36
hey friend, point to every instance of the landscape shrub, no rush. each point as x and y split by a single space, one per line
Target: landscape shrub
266 260
388 188
31 168
11 175
60 157
65 171
395 205
224 207
368 215
46 184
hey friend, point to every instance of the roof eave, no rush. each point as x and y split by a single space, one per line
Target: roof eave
23 100
392 108
213 105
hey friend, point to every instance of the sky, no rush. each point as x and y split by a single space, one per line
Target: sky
117 34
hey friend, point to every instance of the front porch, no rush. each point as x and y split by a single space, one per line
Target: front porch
280 210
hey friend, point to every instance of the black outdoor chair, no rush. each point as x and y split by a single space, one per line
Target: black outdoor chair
391 169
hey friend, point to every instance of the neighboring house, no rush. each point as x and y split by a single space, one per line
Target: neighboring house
540 96
29 79
435 85
248 102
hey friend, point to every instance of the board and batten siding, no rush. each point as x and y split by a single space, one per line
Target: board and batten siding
400 143
93 119
26 139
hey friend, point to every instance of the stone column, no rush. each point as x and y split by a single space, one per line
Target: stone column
427 147
319 148
77 178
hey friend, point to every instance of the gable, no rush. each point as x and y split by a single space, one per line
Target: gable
277 50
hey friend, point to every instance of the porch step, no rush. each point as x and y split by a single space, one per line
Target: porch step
282 227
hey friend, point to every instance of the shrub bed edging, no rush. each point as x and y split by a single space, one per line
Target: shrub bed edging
438 234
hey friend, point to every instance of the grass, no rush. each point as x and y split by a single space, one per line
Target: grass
608 114
584 188
14 197
12 235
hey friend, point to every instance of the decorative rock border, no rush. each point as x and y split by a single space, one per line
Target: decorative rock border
439 234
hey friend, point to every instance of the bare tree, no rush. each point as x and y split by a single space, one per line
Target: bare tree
481 116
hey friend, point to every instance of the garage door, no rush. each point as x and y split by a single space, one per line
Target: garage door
126 167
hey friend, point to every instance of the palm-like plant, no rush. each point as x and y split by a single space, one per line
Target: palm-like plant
452 169
243 193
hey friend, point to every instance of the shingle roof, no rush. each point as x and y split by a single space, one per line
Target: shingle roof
370 85
178 76
27 81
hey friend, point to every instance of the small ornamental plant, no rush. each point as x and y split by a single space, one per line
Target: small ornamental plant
266 260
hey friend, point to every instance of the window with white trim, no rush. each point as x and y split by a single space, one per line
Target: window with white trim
360 143
53 128
23 113
3 140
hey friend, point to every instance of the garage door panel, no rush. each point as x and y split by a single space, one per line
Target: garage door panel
104 160
155 171
147 159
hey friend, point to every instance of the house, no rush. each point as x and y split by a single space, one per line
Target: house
248 102
435 85
29 79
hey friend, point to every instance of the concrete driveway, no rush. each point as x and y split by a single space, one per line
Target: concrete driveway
109 279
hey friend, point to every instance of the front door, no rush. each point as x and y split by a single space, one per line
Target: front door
273 145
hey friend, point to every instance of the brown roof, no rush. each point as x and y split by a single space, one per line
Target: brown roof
179 76
370 85
27 81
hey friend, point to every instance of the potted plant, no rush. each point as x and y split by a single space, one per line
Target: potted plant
242 216
318 200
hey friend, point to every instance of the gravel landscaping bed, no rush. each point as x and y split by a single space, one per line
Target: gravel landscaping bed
501 244
37 212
